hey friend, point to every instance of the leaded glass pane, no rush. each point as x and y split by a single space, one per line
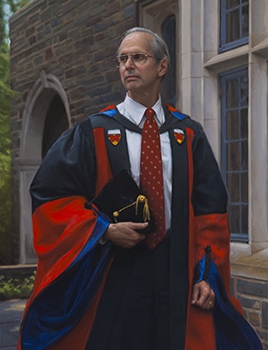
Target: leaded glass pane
232 26
244 221
244 187
232 93
232 3
233 185
244 91
233 126
244 155
233 159
234 216
244 123
245 22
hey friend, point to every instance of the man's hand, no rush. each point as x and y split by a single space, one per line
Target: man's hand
125 234
203 295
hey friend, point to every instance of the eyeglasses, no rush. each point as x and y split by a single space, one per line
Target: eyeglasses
136 58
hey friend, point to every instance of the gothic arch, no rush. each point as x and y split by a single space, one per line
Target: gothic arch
34 115
162 17
37 105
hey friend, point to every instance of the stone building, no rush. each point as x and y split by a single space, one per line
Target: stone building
61 65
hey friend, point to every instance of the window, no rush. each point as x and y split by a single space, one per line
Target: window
169 35
234 23
234 158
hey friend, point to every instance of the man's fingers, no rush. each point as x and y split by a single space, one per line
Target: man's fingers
195 293
203 295
125 234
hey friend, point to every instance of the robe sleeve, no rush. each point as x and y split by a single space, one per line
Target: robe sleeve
212 246
71 263
232 331
209 199
208 227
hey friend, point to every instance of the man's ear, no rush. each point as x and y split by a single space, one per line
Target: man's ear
162 68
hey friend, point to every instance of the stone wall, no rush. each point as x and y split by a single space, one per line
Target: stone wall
249 284
75 42
252 294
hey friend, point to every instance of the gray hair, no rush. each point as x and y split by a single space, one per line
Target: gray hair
158 45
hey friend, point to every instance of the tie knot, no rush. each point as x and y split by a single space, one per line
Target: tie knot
149 113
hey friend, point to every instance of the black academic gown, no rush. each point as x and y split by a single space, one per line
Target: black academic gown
144 295
144 304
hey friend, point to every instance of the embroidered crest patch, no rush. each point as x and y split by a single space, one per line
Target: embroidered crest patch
114 136
179 135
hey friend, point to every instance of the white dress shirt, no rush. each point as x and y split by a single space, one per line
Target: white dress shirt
134 111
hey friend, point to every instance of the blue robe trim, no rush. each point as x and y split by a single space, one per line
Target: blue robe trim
112 110
59 307
175 112
231 328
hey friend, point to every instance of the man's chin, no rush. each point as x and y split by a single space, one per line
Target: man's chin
132 85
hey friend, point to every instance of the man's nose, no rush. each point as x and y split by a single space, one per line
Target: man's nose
129 63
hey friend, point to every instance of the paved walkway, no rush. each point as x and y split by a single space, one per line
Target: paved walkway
10 316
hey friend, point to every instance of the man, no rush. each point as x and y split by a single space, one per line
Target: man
104 285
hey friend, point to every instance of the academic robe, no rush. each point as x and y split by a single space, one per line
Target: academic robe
75 273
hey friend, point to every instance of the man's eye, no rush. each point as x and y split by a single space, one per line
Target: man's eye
138 57
123 58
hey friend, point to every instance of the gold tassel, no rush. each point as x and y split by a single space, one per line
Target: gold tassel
146 211
140 199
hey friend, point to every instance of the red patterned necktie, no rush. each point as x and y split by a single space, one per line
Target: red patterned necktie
151 176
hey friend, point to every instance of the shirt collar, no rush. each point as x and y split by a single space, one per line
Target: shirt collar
134 111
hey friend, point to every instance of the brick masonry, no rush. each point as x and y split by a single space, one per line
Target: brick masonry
75 41
252 295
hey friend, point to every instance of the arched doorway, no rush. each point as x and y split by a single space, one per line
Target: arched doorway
56 123
45 117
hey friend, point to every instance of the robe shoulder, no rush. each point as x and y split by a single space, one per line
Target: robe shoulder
68 168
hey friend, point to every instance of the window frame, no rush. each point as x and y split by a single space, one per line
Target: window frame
223 23
224 77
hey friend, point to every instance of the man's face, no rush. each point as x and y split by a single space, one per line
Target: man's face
140 78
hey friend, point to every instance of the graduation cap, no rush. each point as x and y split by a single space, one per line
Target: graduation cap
122 200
